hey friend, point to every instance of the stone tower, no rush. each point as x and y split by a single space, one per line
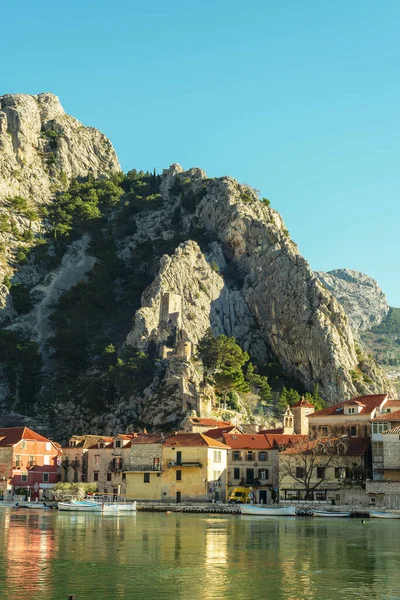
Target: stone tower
288 422
301 410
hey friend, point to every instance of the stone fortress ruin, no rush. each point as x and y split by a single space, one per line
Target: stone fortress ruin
173 338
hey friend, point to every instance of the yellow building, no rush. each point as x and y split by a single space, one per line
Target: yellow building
193 468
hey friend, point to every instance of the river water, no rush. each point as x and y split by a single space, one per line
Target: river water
47 555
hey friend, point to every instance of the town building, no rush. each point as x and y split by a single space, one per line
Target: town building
302 410
29 463
386 445
253 462
195 468
106 463
144 467
351 417
201 425
324 470
74 458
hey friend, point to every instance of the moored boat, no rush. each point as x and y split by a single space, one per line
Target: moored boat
330 513
266 511
83 506
376 514
118 507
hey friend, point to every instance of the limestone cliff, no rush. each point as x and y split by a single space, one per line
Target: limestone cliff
361 297
276 305
41 147
177 254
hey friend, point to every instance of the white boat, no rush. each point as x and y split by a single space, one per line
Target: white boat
33 505
383 515
330 513
118 507
264 511
84 506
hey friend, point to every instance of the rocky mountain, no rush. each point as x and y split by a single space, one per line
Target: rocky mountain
41 150
374 323
361 297
111 284
41 147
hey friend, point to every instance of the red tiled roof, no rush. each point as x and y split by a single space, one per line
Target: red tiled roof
391 416
244 441
277 430
148 438
219 432
303 402
369 403
392 403
357 446
12 435
192 439
393 430
209 422
277 440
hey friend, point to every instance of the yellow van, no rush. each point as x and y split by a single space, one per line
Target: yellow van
240 495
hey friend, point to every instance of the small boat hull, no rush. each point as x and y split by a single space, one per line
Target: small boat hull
79 506
118 507
262 511
328 513
383 515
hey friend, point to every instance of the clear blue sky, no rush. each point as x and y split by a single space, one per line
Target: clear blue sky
299 99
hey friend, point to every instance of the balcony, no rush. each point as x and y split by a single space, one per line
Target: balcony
75 464
116 466
145 468
184 463
65 463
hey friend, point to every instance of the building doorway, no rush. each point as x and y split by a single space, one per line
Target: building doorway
262 496
178 497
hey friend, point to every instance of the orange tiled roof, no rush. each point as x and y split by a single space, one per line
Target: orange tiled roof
12 435
286 439
369 403
393 430
392 403
391 416
357 446
247 441
219 432
303 402
147 438
192 439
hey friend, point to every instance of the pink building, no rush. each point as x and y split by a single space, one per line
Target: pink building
28 462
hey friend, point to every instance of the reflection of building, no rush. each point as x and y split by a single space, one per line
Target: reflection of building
28 552
28 462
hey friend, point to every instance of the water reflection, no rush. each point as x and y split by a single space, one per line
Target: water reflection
46 556
28 544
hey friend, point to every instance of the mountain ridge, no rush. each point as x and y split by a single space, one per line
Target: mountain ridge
253 285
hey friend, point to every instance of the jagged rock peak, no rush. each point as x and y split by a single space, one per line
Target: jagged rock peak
42 147
360 295
276 303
